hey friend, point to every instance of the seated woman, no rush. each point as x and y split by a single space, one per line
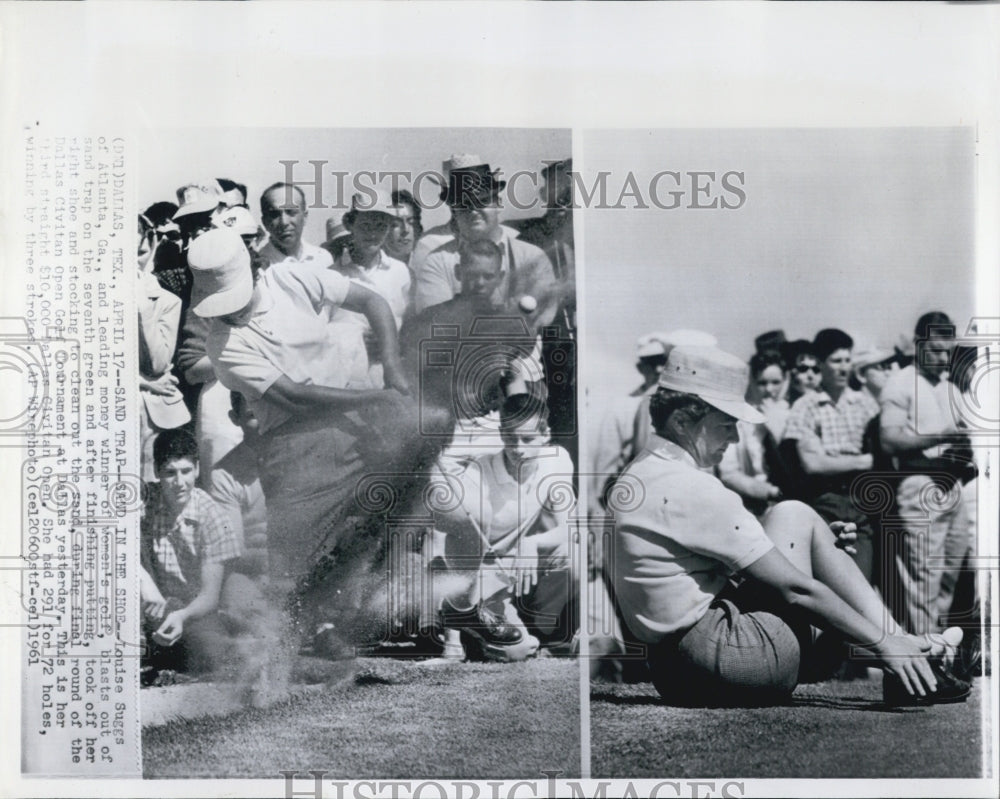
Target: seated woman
681 536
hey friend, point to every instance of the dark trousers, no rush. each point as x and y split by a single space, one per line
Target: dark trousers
837 506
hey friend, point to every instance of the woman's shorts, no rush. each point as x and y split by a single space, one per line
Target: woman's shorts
746 650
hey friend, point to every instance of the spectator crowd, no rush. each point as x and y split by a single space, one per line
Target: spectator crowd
874 440
299 399
369 444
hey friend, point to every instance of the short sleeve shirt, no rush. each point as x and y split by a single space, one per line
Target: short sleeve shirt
174 549
526 268
909 400
508 508
389 278
515 506
679 536
839 426
289 335
308 255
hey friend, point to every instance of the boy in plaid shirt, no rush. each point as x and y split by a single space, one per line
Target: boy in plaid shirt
828 428
192 603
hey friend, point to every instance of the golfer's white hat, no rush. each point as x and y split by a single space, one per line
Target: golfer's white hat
717 377
220 266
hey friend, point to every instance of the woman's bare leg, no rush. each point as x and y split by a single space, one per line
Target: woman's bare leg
806 540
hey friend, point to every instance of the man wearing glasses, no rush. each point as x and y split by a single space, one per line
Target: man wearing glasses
828 427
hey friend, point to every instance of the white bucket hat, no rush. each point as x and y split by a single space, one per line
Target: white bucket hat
717 377
220 266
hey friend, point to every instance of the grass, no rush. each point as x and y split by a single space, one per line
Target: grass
831 730
392 719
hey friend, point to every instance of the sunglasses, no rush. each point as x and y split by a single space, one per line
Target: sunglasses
803 368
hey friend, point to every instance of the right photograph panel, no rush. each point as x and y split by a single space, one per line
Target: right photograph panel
782 427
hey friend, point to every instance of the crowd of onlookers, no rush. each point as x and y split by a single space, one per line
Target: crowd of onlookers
873 436
277 375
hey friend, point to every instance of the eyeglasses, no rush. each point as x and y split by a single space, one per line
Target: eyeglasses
803 368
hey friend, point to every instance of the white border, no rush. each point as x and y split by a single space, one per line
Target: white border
144 65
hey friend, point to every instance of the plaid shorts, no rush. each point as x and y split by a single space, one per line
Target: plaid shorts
746 650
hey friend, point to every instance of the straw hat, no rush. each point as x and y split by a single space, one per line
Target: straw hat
718 378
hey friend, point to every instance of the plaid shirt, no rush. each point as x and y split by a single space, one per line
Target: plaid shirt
840 426
174 548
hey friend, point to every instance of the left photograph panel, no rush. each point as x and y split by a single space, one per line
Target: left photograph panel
358 428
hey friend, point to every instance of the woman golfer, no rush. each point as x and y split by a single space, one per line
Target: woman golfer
727 606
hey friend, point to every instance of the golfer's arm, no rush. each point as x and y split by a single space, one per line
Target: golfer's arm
207 599
815 461
302 397
812 596
379 315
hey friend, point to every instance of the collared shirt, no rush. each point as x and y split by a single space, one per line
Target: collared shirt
176 547
909 400
615 443
390 278
434 237
839 426
307 254
679 535
526 268
288 335
508 509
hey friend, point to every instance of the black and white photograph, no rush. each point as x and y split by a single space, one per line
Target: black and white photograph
357 369
497 400
784 474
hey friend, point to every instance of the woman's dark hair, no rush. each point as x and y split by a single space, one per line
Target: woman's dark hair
666 402
761 360
160 213
829 340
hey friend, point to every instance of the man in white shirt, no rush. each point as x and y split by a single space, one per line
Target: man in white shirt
364 261
917 426
473 194
283 213
506 541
